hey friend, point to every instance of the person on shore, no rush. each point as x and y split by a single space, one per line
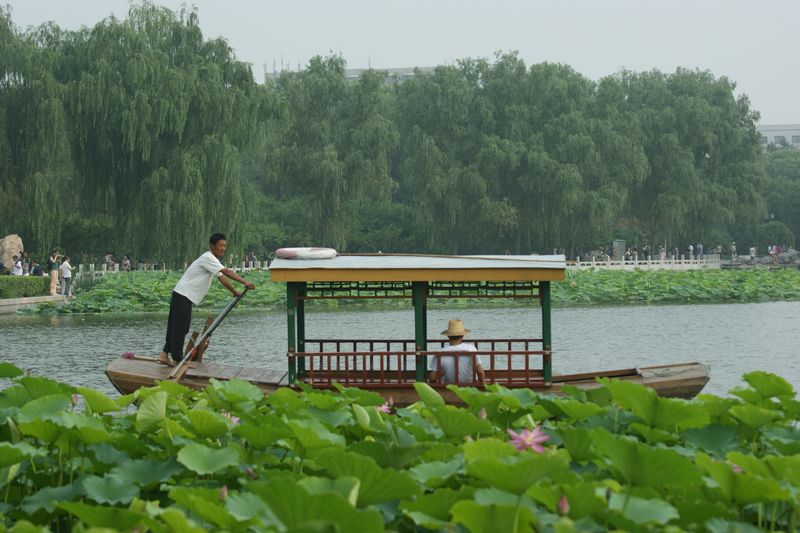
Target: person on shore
191 289
66 276
36 270
733 252
126 264
442 369
16 266
52 267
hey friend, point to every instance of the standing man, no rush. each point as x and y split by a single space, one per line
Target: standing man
66 276
52 268
191 289
443 368
733 251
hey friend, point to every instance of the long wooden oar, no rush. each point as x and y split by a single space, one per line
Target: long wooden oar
181 368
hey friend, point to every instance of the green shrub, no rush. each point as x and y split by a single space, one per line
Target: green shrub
22 286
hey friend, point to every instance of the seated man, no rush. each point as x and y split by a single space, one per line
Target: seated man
443 368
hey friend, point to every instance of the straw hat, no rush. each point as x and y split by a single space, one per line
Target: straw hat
455 328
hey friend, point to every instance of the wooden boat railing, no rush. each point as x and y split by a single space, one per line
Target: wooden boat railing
407 345
391 368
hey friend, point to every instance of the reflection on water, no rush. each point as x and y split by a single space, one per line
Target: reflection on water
732 339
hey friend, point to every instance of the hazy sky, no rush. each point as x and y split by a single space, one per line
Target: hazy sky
753 43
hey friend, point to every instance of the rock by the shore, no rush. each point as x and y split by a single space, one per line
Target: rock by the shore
10 245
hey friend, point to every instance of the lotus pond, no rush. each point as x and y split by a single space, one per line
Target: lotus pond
150 291
227 458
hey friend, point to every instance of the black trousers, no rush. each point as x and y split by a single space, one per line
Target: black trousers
180 317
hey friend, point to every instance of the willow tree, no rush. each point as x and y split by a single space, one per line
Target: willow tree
158 115
35 168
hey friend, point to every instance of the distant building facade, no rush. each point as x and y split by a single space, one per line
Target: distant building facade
780 134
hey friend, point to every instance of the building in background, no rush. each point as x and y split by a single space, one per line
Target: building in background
788 134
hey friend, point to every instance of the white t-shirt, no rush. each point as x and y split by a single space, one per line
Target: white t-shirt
196 281
16 269
448 364
66 270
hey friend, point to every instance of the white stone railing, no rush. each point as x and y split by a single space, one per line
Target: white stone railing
95 271
708 262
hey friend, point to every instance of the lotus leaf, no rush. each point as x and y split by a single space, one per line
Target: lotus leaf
97 401
489 448
237 390
641 465
716 438
769 385
428 395
102 516
662 413
38 387
719 525
47 497
435 473
578 442
14 396
752 416
205 460
741 488
641 511
10 454
346 487
313 435
177 522
368 419
206 503
152 411
432 511
206 423
517 474
571 409
489 519
249 507
146 472
44 430
377 484
360 396
44 408
7 370
458 423
109 489
263 430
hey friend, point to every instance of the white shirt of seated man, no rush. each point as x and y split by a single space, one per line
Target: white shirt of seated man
444 367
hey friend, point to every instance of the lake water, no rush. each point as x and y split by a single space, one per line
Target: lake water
732 338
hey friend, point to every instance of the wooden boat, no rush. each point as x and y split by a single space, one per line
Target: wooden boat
390 367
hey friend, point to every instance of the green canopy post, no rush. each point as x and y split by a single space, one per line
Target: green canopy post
547 336
291 307
301 327
419 291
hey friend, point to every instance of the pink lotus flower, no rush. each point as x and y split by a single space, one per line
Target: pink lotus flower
223 493
249 472
75 399
563 505
233 418
482 413
528 440
736 468
128 355
385 408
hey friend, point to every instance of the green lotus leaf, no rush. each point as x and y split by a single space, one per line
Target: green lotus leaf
7 371
206 503
237 390
247 506
44 408
298 510
313 435
435 473
178 523
38 387
146 472
720 525
97 401
206 423
173 388
262 431
285 399
490 519
487 448
322 400
715 406
47 497
204 460
741 488
458 423
114 518
787 468
109 489
716 438
641 511
640 465
662 413
432 511
571 409
752 416
546 495
747 394
389 454
44 430
584 500
360 396
517 474
428 394
786 440
346 487
368 419
377 484
89 430
515 398
152 411
650 434
14 397
174 429
11 454
769 385
334 418
578 442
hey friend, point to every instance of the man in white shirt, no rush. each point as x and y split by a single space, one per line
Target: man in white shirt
443 368
66 276
16 267
191 289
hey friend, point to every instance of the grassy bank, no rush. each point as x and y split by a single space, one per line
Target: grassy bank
150 292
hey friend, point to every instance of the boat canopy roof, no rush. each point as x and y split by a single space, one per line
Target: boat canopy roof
408 267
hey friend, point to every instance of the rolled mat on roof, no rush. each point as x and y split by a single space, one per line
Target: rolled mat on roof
305 253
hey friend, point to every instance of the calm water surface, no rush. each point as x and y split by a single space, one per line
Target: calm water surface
732 339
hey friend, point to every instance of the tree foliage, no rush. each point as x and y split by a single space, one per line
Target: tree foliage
142 136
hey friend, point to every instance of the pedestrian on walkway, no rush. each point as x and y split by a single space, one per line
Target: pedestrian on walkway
66 277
